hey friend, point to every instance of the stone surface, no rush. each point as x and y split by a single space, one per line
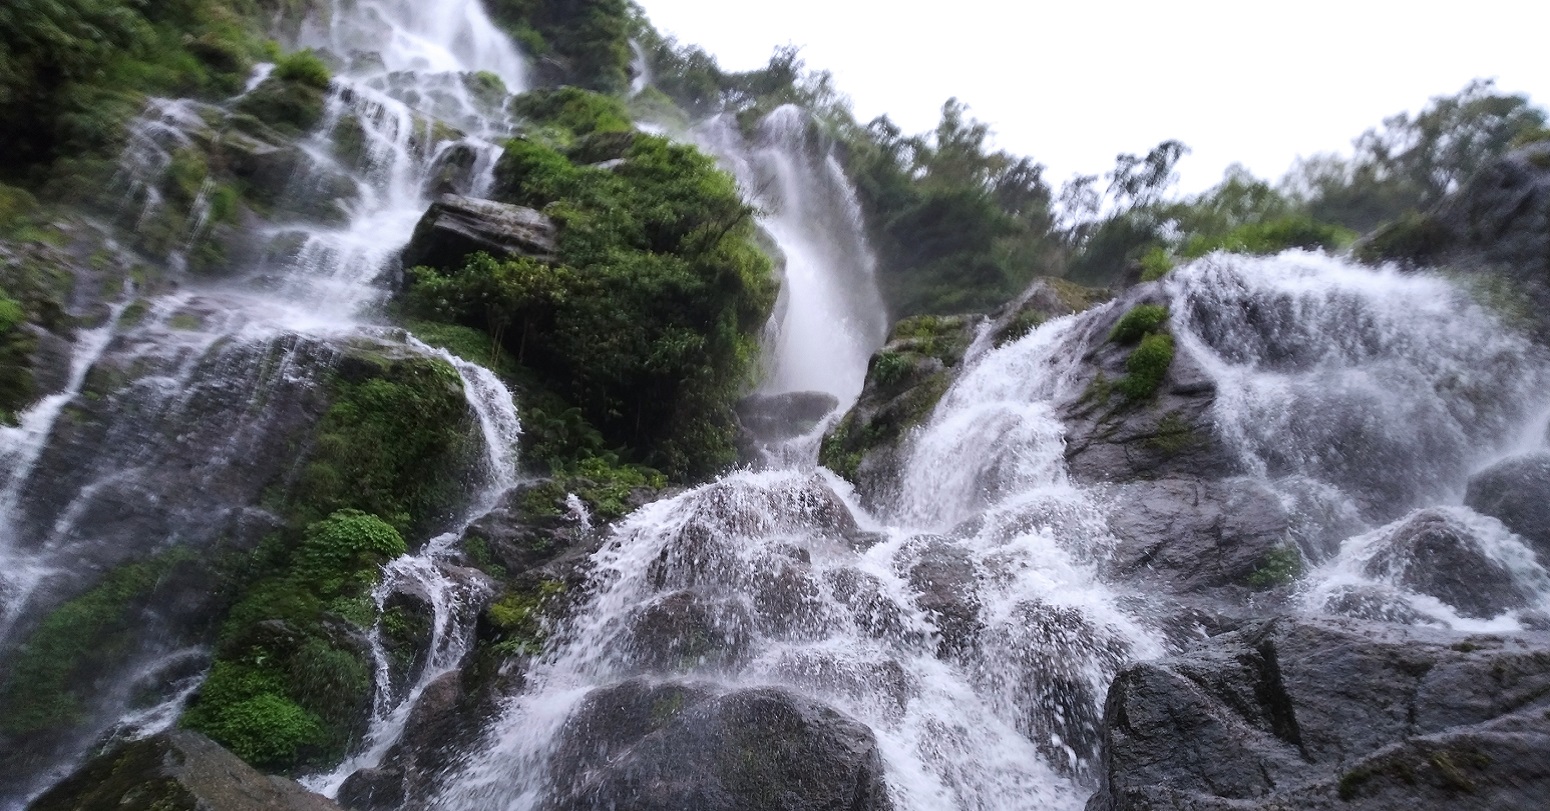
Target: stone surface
1517 493
1434 554
1293 713
668 747
175 770
455 227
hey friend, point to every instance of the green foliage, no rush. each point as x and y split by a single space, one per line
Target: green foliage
287 107
1412 161
305 68
349 541
586 44
388 444
889 368
1412 238
1155 264
1280 567
1146 367
287 689
72 71
53 675
574 111
1141 320
647 322
1272 236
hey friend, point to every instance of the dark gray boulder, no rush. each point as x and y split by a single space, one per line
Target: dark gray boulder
1193 536
1297 713
455 227
1517 493
1432 553
175 770
668 747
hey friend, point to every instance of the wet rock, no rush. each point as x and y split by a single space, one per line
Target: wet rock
439 725
944 576
1113 437
452 173
1294 713
766 420
668 747
1517 493
177 769
455 227
1196 536
686 631
1432 553
904 381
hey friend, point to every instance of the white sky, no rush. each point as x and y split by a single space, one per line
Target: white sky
1074 83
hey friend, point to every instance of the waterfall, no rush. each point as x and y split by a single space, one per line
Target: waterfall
829 318
232 370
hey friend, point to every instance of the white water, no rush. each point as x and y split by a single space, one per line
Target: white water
199 351
829 318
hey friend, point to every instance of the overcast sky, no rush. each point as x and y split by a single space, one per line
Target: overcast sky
1074 83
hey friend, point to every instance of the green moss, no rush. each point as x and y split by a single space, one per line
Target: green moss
1280 567
1019 326
518 618
1155 264
305 68
53 675
289 107
396 431
1173 435
1141 320
287 690
1146 367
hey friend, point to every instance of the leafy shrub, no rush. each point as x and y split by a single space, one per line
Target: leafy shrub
1280 567
647 322
1146 367
1273 236
305 68
1138 322
889 368
349 541
1155 264
576 111
583 44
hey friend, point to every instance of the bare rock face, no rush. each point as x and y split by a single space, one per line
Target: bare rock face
176 770
665 747
455 227
1517 493
1315 714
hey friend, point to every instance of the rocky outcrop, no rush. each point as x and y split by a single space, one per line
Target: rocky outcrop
1314 714
766 421
455 227
175 770
1497 225
666 747
1433 553
1516 492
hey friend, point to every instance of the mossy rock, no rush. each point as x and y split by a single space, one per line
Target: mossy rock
175 771
291 108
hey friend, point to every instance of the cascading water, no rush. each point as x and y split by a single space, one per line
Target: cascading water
829 318
232 372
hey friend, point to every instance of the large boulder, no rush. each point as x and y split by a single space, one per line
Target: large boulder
175 770
1313 714
1193 536
1517 493
455 227
666 747
1433 553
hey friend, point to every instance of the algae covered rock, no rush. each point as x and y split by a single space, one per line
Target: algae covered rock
176 770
